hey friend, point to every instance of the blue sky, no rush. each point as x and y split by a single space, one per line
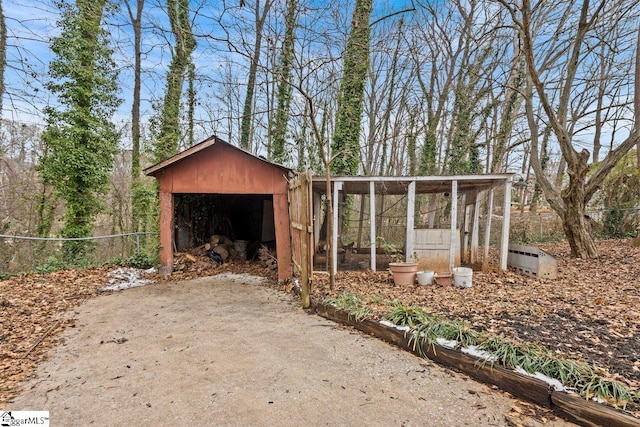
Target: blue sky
31 24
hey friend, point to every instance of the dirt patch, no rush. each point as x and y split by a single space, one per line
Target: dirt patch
226 350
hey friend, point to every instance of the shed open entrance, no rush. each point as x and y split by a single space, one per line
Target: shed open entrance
229 217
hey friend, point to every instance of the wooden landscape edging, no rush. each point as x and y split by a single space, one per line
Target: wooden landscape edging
571 407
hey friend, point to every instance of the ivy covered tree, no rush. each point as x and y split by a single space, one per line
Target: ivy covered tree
80 139
277 151
168 138
3 53
346 138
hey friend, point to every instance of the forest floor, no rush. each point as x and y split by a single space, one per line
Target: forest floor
590 313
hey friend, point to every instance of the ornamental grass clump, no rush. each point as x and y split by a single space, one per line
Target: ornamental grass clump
573 375
609 390
515 354
351 303
428 328
403 315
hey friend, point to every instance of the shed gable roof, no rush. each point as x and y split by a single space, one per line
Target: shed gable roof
155 169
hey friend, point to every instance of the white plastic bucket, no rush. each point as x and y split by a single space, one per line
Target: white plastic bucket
462 277
425 277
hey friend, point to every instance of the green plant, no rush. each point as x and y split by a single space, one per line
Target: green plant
140 260
609 390
428 328
437 328
515 354
533 358
567 371
376 299
50 265
402 315
619 196
351 303
392 251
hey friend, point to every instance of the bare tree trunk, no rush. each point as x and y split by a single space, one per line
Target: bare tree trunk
136 196
389 103
513 102
3 56
574 219
597 144
636 97
247 111
191 103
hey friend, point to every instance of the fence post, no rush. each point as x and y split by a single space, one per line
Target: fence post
541 228
137 242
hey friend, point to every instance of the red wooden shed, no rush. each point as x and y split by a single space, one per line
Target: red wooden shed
217 188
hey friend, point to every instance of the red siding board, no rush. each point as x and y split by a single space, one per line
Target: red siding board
224 171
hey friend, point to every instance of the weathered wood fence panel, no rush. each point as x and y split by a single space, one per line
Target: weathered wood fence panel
300 213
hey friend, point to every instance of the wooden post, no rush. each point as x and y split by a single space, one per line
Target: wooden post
306 235
166 232
360 223
475 230
506 218
372 222
454 222
282 223
411 213
487 231
317 218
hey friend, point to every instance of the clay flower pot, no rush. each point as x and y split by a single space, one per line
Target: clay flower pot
404 273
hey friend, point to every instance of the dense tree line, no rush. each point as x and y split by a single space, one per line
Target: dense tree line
545 89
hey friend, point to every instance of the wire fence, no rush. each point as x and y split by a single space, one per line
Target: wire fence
26 253
525 227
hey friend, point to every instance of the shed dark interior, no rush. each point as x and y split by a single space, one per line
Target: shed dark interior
237 216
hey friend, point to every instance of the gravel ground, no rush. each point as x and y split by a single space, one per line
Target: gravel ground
226 350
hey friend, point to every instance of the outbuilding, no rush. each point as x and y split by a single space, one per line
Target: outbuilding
217 188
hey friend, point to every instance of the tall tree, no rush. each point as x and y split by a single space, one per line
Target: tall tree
3 55
137 193
284 90
636 98
558 86
80 139
247 111
167 142
346 137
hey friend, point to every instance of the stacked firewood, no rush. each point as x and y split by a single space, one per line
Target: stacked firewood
267 258
213 253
